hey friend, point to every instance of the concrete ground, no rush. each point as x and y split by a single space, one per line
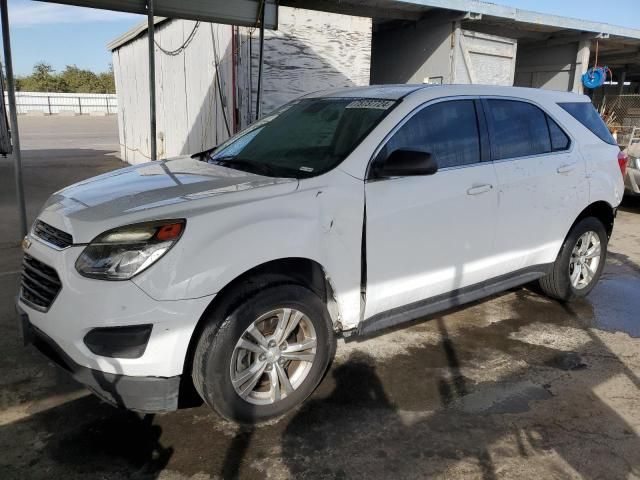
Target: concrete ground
513 386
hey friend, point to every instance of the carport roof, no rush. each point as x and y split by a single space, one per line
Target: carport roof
505 15
618 47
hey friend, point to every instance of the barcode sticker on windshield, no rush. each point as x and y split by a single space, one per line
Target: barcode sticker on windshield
371 103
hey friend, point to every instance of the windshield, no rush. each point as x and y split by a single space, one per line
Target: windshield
303 138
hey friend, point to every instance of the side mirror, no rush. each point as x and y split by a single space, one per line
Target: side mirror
404 163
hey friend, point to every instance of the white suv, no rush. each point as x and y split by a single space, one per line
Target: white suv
341 213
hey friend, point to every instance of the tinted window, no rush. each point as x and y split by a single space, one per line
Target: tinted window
559 140
303 138
587 115
517 129
447 130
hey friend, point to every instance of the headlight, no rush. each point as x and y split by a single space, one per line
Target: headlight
123 252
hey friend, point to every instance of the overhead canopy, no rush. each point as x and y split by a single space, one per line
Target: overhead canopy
234 12
618 47
416 9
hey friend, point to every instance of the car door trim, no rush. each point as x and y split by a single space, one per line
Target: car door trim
449 300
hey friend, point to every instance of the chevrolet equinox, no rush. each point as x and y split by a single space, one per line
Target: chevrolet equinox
341 213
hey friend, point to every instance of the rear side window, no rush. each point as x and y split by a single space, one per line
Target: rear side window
559 140
516 129
447 130
587 115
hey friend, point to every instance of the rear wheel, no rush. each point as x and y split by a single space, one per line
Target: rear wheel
580 262
267 356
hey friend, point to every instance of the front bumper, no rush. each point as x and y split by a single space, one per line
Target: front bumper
142 394
83 305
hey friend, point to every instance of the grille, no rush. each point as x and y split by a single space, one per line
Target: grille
40 283
52 235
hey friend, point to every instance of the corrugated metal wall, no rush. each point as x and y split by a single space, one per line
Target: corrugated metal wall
310 51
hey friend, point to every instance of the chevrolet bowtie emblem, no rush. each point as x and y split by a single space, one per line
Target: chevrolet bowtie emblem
26 243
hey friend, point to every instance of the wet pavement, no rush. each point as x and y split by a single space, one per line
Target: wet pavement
513 386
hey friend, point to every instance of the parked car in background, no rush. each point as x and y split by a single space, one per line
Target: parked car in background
632 177
341 213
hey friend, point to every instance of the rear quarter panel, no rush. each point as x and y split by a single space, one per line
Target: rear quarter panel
601 162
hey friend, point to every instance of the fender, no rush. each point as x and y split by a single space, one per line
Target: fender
321 221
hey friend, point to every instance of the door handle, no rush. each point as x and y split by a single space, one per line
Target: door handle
479 189
566 168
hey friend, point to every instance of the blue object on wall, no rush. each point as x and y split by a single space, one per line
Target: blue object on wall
595 77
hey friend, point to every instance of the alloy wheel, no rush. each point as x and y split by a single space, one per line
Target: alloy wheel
273 356
585 259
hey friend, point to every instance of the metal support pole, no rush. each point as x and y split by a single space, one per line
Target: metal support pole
260 65
623 78
49 103
13 116
152 79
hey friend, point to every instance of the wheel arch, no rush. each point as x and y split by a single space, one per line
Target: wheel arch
297 270
601 210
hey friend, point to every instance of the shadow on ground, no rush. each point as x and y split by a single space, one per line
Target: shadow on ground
630 203
412 435
512 386
423 413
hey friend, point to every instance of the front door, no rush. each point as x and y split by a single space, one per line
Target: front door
428 235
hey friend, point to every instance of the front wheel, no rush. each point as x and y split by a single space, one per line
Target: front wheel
267 356
580 262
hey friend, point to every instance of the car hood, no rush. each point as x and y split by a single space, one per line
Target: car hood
161 189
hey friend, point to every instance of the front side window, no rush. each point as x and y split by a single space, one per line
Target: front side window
304 138
447 130
516 129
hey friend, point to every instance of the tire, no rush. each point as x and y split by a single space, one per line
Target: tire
218 355
558 283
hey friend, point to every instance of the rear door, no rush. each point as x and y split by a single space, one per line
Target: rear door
428 235
542 183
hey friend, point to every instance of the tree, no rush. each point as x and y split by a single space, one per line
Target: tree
71 80
108 80
78 80
43 79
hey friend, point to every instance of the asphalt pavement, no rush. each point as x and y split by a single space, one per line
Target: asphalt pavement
515 386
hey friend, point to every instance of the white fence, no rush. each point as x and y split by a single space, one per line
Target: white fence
51 103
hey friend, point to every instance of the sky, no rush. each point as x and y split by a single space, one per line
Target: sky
63 35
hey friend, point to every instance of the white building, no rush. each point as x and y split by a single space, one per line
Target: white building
207 75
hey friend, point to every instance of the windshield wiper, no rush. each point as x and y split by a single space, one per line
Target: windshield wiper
205 154
244 165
